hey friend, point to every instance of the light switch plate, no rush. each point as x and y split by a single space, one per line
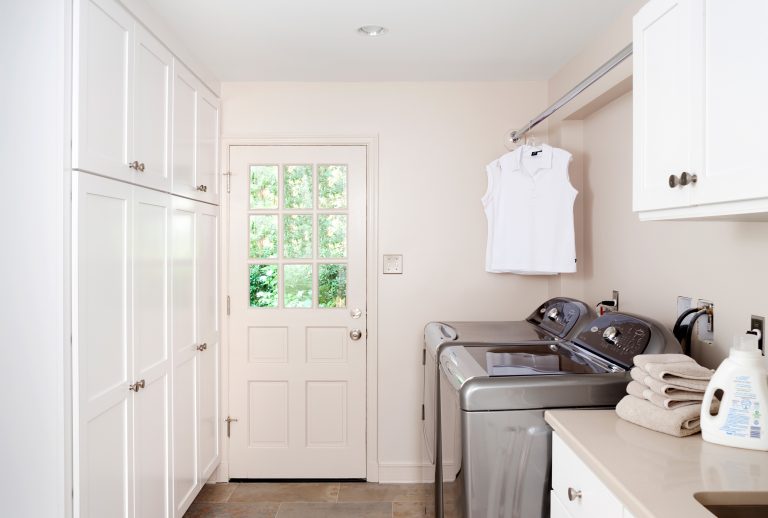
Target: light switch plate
393 263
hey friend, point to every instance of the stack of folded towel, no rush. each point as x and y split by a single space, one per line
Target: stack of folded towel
665 393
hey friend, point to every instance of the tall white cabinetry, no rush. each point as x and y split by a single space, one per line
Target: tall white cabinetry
195 348
145 272
699 103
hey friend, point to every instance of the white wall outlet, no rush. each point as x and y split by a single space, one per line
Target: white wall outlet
393 263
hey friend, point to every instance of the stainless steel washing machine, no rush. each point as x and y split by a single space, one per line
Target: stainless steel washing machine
559 317
502 391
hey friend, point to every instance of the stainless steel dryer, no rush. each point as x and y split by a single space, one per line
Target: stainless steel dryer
502 392
560 317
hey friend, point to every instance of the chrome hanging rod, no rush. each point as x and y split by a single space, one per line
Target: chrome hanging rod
568 97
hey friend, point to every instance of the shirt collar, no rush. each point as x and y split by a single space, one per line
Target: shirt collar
544 159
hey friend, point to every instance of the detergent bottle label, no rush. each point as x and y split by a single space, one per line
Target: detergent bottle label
744 412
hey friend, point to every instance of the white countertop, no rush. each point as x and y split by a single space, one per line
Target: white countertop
653 474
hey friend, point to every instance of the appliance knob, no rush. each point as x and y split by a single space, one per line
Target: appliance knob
611 335
552 314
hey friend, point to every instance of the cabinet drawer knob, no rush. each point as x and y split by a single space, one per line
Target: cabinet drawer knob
134 165
202 188
202 347
135 387
674 181
573 494
141 167
687 178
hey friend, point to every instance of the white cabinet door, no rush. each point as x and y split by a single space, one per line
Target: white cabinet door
556 509
208 333
102 360
736 105
103 64
185 87
207 161
153 64
151 352
666 103
186 480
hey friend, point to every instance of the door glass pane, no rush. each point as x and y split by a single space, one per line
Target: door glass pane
298 286
263 187
297 236
263 284
332 186
332 285
263 237
298 186
332 235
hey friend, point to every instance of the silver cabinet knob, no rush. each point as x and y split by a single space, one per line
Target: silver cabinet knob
674 181
202 347
356 313
688 178
134 165
141 167
355 334
137 386
202 188
573 494
611 334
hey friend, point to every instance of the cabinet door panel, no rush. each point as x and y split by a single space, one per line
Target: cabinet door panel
208 332
666 113
151 351
103 67
101 337
736 104
184 131
150 436
185 369
151 111
207 166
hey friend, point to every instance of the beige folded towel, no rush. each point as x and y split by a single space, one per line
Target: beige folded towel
674 391
675 369
637 389
679 422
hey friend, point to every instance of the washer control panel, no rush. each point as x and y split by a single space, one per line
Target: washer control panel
558 316
616 337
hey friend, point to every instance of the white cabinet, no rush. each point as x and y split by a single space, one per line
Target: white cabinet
699 103
195 348
576 491
121 353
195 138
122 100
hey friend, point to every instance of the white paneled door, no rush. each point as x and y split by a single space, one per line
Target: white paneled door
298 312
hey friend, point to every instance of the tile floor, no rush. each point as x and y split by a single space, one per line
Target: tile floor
312 500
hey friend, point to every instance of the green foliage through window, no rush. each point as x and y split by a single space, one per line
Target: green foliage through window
298 286
263 236
263 186
332 285
297 236
297 181
332 186
263 284
332 235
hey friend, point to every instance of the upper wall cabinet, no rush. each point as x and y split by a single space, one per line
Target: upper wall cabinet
699 103
195 138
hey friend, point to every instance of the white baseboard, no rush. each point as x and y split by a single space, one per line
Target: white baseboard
393 473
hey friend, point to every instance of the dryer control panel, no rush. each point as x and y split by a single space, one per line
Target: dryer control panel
559 315
617 337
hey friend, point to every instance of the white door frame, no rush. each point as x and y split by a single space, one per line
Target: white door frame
372 253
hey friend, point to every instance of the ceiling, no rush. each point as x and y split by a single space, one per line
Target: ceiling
428 40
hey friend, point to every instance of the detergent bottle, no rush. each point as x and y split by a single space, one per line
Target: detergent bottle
743 379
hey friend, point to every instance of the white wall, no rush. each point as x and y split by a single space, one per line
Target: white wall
34 86
434 142
653 262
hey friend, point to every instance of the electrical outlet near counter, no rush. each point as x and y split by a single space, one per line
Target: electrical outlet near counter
705 326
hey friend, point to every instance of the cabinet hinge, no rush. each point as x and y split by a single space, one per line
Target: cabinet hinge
422 412
228 174
228 305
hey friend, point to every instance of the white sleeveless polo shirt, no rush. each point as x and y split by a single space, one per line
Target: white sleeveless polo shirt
529 206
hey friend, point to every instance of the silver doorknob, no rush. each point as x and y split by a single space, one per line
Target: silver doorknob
355 334
573 494
356 313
